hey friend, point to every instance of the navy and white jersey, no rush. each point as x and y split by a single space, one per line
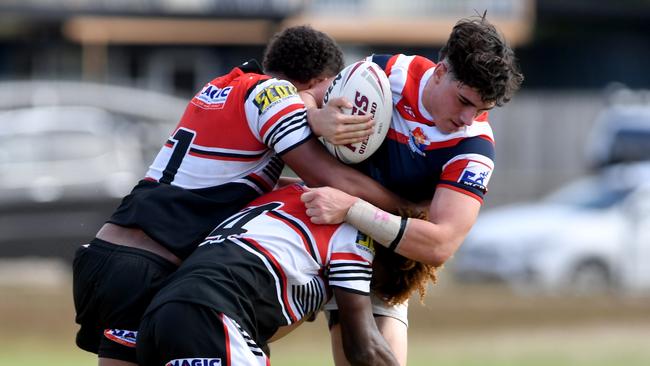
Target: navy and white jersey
416 157
268 266
224 152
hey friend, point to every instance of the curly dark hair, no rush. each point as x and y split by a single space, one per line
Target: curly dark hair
478 56
395 278
302 53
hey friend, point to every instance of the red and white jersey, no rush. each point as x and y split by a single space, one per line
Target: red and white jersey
268 266
416 157
224 153
232 132
304 258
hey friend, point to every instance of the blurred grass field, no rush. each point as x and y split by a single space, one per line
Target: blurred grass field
459 325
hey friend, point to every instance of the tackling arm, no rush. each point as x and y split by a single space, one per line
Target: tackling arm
311 162
451 216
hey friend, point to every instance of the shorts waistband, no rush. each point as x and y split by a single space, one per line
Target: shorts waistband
100 244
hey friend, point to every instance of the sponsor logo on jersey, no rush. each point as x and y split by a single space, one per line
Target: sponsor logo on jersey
194 362
270 95
212 97
418 141
408 110
476 175
121 336
366 243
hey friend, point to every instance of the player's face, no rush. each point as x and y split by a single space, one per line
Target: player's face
452 104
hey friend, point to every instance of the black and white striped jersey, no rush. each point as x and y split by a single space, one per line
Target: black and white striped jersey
269 266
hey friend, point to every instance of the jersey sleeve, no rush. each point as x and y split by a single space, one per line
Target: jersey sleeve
350 264
277 115
469 171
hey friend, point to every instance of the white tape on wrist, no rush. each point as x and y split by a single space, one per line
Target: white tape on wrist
383 227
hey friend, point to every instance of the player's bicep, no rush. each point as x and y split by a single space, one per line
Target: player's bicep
454 212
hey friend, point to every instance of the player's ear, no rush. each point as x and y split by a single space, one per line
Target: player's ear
440 71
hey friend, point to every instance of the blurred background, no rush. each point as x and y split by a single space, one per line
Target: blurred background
557 268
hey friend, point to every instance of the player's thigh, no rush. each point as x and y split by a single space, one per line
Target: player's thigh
183 333
396 334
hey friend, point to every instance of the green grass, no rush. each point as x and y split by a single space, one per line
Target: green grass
458 327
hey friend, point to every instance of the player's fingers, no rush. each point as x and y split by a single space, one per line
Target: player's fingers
317 220
308 196
352 120
355 127
339 102
351 137
311 212
348 141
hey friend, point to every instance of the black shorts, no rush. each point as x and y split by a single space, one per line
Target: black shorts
180 333
112 287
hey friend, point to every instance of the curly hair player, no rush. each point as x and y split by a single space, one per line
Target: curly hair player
440 147
258 275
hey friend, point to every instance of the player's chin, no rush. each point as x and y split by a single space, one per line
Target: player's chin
448 128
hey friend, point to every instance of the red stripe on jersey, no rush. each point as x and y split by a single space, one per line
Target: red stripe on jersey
321 236
283 277
279 115
305 240
402 139
227 339
486 137
483 117
290 195
260 182
453 171
223 158
460 190
389 64
348 257
411 91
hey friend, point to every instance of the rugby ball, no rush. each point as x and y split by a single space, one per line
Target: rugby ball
366 86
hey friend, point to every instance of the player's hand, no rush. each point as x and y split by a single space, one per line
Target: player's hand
339 128
327 205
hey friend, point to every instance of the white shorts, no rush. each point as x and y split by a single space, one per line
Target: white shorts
379 307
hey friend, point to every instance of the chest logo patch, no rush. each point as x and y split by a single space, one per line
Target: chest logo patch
418 141
365 243
212 97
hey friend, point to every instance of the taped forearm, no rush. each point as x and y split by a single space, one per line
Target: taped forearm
383 227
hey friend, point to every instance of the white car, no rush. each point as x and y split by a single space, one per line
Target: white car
69 152
591 235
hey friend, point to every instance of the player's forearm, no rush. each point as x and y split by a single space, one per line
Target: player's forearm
285 181
426 242
359 185
376 353
420 240
363 344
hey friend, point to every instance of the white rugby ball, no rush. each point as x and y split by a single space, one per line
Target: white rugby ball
366 86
